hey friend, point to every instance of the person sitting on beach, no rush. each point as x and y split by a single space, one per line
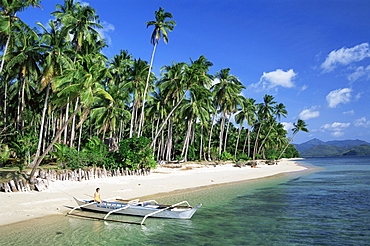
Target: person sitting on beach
97 196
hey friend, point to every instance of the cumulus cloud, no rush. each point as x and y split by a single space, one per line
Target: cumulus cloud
276 78
288 126
309 113
359 72
335 128
338 96
363 122
345 56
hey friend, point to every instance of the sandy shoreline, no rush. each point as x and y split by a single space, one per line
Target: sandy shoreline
16 207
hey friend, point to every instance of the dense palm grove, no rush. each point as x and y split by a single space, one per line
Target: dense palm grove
61 98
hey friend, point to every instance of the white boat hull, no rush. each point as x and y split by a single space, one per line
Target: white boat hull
139 209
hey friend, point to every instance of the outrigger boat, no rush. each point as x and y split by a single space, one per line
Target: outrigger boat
181 210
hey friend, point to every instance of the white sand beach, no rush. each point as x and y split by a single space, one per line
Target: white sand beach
16 207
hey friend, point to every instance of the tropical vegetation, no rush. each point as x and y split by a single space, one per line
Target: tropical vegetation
63 101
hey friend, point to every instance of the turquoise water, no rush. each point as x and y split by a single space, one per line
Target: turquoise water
327 206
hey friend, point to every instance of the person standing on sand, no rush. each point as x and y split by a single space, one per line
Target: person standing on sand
97 196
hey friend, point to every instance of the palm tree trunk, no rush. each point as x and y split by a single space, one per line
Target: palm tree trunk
66 128
263 141
227 132
237 140
41 127
59 133
23 103
256 141
201 143
133 113
221 135
141 122
4 54
73 131
210 137
165 121
282 152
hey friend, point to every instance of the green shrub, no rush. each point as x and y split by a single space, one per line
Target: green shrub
226 156
243 157
136 153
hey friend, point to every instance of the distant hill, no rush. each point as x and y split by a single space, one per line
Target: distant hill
316 147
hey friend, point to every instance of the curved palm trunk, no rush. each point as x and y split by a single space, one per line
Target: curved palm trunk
41 127
282 152
256 141
237 140
264 140
227 132
141 122
221 136
59 133
210 137
4 53
165 121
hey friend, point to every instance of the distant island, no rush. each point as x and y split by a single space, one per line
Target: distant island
317 148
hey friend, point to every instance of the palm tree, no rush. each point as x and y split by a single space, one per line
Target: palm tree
8 12
55 60
265 111
10 26
161 28
278 111
299 126
225 92
247 113
83 81
24 60
78 24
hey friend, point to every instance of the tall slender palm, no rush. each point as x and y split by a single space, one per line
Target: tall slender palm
161 28
278 111
228 88
299 126
8 12
265 111
246 114
79 24
25 59
55 60
86 77
11 25
135 84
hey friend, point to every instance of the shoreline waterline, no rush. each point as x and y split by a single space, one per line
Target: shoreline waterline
19 207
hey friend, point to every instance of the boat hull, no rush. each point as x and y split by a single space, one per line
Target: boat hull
140 209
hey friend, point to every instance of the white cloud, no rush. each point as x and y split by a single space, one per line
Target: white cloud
362 122
309 113
339 96
337 134
336 128
288 126
107 27
359 73
276 78
351 112
345 56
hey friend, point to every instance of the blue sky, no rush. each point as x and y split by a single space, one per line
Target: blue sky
312 56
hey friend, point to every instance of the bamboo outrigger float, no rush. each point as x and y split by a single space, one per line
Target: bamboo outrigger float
146 209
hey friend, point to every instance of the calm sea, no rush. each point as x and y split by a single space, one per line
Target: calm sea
329 205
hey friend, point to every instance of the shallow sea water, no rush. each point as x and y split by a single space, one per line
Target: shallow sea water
326 206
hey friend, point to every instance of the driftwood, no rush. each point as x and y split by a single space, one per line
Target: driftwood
43 177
